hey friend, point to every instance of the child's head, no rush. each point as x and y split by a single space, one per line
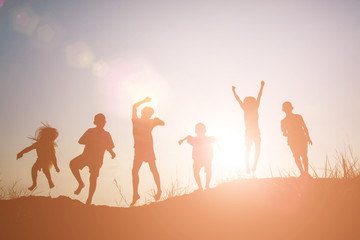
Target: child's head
100 120
200 129
287 107
147 112
46 134
250 103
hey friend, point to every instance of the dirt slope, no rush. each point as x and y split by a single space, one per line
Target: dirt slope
277 208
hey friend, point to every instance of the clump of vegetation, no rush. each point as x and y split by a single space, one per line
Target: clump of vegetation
346 166
14 191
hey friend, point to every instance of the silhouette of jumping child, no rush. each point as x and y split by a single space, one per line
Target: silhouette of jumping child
252 131
96 141
144 146
294 128
202 153
45 149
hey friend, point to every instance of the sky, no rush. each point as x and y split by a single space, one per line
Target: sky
62 62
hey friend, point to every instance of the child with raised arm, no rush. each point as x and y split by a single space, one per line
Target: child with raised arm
294 128
96 141
45 148
144 146
250 107
202 153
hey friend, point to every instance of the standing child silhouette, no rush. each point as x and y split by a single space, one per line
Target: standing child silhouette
45 148
202 153
294 128
250 107
144 146
96 141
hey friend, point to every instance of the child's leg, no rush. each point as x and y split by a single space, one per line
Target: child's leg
196 169
34 171
75 166
208 171
135 180
257 155
46 171
155 173
247 154
298 163
92 188
305 163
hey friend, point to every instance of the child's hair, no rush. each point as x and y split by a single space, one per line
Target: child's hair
200 128
250 102
45 133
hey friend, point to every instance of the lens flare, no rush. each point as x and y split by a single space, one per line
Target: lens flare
79 55
24 20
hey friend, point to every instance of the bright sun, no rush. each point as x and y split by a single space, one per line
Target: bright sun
229 160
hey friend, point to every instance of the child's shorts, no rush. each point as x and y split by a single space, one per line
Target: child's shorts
206 163
83 161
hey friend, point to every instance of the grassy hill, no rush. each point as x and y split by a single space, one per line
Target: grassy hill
276 208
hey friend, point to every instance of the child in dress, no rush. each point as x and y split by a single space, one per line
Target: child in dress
45 148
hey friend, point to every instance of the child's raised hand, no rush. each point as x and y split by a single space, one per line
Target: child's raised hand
147 99
181 141
262 83
233 88
19 155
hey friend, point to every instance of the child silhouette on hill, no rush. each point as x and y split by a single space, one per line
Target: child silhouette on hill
45 148
144 146
96 141
294 128
252 131
202 153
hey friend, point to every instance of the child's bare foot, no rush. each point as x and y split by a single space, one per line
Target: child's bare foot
80 187
157 196
51 185
88 201
135 198
32 187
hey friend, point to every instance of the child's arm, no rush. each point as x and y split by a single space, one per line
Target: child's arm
54 161
113 155
185 138
136 105
306 131
28 149
283 130
159 122
214 140
237 97
260 92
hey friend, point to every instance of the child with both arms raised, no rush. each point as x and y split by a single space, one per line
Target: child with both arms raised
202 153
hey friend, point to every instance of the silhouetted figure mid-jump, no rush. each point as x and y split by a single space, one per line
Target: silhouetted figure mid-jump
96 141
252 131
45 148
202 153
144 146
294 128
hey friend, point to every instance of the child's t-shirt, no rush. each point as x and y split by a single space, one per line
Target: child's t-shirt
292 125
202 148
251 117
96 141
142 129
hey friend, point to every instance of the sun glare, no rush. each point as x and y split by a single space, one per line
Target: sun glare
229 158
